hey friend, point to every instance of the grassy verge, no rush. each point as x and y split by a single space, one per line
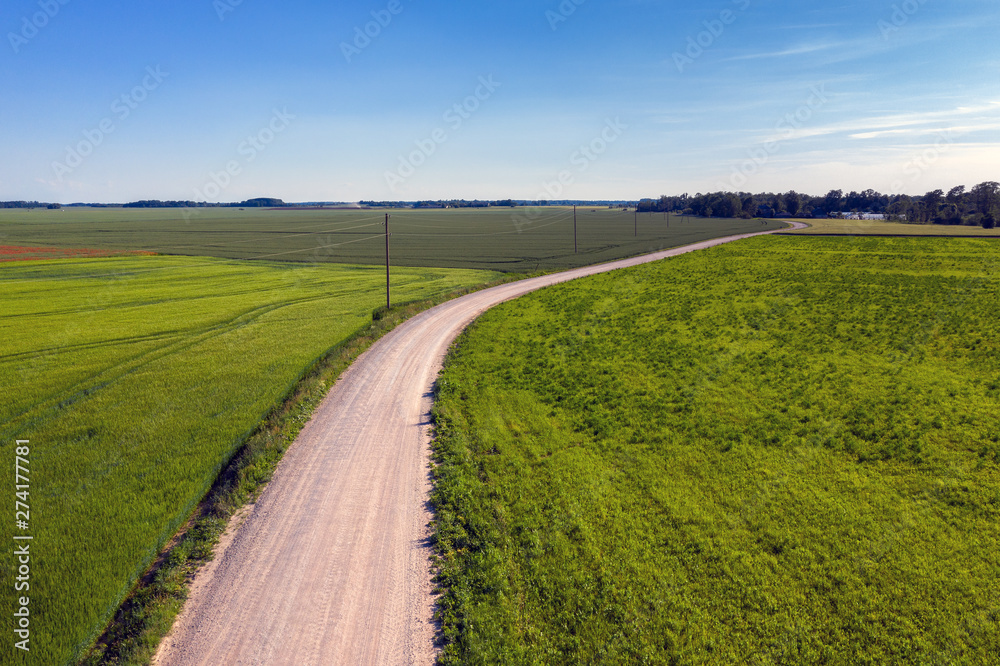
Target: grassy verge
782 451
150 610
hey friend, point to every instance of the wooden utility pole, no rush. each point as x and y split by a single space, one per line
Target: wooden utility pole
387 301
637 220
574 230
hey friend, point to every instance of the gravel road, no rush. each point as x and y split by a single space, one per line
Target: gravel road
331 565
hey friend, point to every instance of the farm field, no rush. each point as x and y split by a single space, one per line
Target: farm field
876 227
518 240
135 380
785 450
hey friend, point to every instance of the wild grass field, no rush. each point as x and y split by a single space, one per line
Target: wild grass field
781 451
512 240
136 380
879 228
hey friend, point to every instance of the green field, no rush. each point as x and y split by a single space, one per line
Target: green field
136 380
501 239
781 451
878 228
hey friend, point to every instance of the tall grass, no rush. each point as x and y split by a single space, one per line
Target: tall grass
782 451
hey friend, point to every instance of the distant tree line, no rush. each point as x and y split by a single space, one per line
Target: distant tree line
440 203
29 204
262 202
22 204
499 203
978 206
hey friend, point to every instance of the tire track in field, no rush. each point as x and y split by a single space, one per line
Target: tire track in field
332 565
173 342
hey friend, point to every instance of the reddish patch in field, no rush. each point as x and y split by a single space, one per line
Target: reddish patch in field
16 253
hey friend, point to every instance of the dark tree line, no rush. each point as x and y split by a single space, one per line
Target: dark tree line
444 203
263 202
22 204
978 206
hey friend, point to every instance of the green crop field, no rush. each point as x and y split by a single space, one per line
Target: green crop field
781 451
501 239
879 228
136 380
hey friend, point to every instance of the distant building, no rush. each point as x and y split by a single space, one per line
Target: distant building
862 216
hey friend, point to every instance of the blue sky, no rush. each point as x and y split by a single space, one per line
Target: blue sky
222 100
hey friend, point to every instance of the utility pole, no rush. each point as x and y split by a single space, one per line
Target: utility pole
387 301
637 220
574 230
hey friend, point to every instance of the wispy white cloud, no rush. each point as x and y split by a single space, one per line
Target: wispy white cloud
793 51
905 123
928 131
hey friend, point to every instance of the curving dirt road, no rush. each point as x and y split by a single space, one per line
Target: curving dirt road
331 566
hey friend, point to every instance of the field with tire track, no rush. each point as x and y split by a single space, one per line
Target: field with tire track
136 380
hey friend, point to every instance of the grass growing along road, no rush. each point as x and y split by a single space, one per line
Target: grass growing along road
136 380
785 450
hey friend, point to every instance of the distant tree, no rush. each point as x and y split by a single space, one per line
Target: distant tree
956 195
793 202
989 221
930 204
986 196
832 203
853 202
872 201
950 213
734 205
777 203
900 208
263 202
